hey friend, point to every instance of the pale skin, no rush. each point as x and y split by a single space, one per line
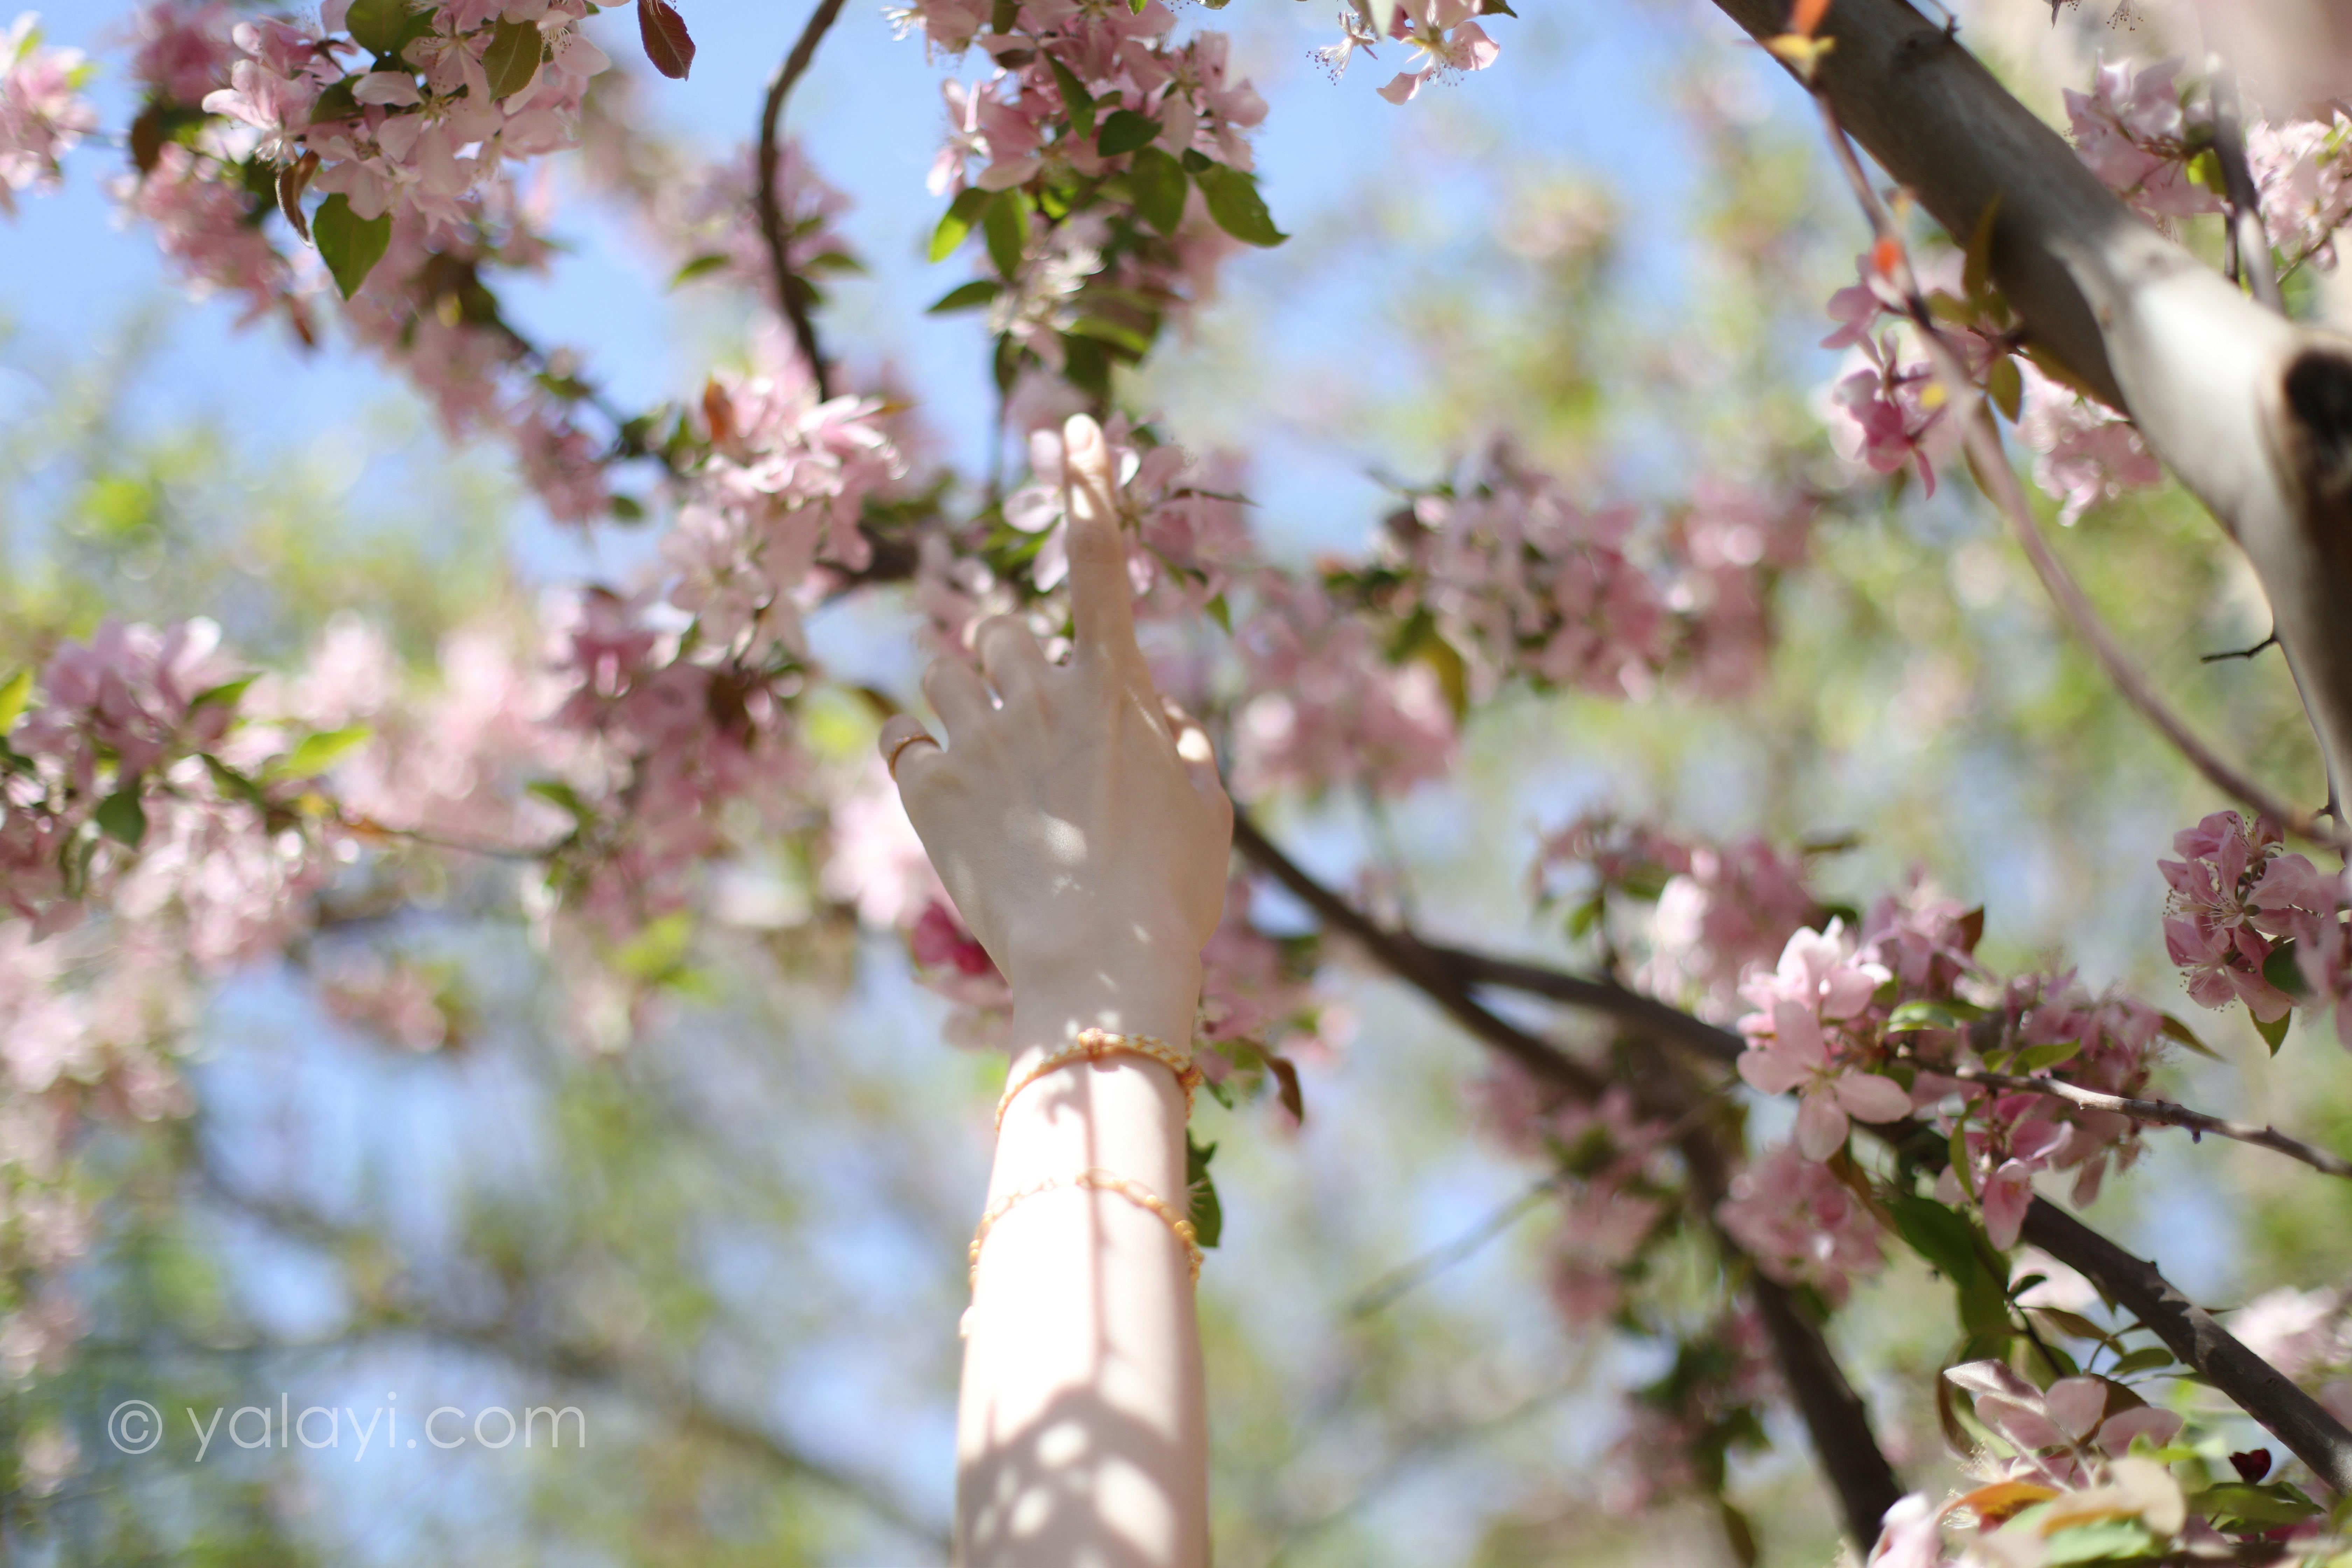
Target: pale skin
1077 820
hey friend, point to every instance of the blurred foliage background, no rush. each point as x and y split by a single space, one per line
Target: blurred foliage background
738 1244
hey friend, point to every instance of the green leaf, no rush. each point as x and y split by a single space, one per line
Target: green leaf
1085 365
956 224
2282 971
384 28
2033 1058
966 296
513 59
2103 1540
1159 180
1074 97
120 816
657 953
1951 1014
320 752
1738 1533
2007 387
1125 131
348 244
1235 203
1006 227
335 104
1207 1214
1963 1168
225 694
699 267
556 793
234 785
2256 1507
1221 613
1976 268
2274 1033
1116 333
18 691
2075 1324
2173 1029
2148 1358
1951 1245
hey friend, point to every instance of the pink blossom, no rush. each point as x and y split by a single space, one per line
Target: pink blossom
2211 929
2131 130
2299 169
1888 416
2300 1332
1794 1045
2086 454
203 227
878 862
1911 1536
184 50
2055 1431
42 112
1323 707
1800 1224
1444 38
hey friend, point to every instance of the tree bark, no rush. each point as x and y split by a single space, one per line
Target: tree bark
2251 412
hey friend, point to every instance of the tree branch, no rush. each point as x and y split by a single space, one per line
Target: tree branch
2165 1113
2190 1332
2285 1411
790 295
2251 412
1833 1414
1990 465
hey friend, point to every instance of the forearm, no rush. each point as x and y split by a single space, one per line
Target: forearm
1081 1437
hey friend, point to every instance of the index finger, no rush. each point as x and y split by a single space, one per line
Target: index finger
1102 604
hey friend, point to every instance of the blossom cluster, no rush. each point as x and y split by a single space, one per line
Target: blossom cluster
42 112
2303 171
782 484
1508 567
2140 130
1107 167
2249 921
1442 36
1721 908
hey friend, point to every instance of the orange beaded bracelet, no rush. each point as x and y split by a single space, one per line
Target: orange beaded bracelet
1134 1191
1094 1045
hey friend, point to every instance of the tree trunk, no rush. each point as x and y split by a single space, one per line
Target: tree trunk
2251 412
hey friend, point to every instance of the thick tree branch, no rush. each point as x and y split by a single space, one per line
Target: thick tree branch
2253 412
2165 1113
791 295
2190 1332
1833 1412
2256 1388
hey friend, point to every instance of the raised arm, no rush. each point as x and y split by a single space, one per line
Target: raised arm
1082 831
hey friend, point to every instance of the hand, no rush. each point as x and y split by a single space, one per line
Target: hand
1077 820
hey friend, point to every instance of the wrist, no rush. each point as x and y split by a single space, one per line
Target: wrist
1132 979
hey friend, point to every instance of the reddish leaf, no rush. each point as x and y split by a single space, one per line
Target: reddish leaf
668 43
1286 1082
1884 256
719 410
1806 15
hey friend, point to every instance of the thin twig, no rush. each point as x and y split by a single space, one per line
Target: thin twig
1406 1277
2164 1113
2000 480
771 216
2249 239
679 1401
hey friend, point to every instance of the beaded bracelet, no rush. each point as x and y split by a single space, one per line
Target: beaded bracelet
1134 1191
1094 1045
